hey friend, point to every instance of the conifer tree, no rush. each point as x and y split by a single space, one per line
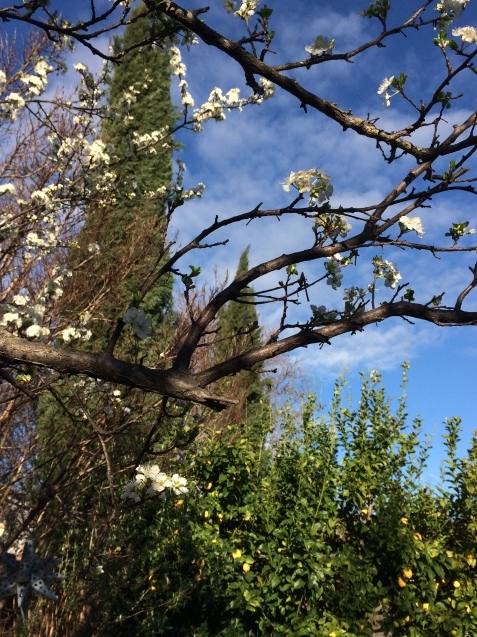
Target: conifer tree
130 237
131 244
238 329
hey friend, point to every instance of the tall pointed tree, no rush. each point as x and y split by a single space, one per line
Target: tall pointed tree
130 238
89 432
238 329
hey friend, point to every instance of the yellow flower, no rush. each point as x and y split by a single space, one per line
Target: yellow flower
456 584
425 606
417 536
404 520
206 514
401 582
236 554
407 573
245 567
179 503
208 486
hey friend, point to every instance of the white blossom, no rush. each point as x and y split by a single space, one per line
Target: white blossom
140 323
313 181
76 334
177 66
247 9
179 484
468 34
333 268
384 269
11 318
97 153
20 300
383 88
409 224
452 6
333 225
7 188
321 44
36 331
14 103
151 481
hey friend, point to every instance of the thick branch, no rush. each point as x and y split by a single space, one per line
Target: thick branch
305 337
180 385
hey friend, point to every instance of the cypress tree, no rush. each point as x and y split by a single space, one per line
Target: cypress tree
130 233
75 459
239 329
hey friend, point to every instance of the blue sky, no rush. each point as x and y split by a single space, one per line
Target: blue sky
244 159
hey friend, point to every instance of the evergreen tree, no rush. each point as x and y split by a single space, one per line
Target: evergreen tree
130 237
76 458
238 329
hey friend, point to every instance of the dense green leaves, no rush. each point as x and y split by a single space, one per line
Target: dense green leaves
325 528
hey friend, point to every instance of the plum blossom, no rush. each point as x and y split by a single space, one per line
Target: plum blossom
177 66
14 102
179 484
7 188
36 331
452 6
333 269
313 181
321 44
138 320
384 269
333 225
150 480
247 9
468 34
409 224
383 88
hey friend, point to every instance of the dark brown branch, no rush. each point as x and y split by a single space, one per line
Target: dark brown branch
180 385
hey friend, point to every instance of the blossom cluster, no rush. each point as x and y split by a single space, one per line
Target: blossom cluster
411 224
138 320
24 317
313 181
218 102
29 85
333 268
246 9
453 7
332 225
384 269
150 481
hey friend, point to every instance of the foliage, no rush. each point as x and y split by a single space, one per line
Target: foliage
325 528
